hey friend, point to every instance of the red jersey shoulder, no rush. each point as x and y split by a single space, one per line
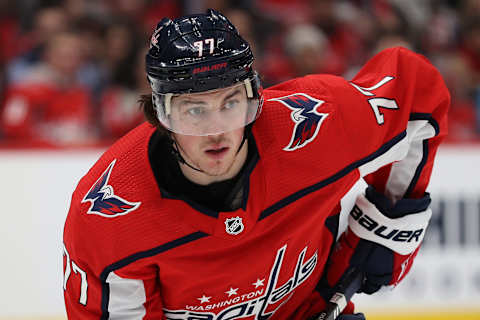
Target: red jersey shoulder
103 199
300 134
392 87
297 110
315 111
117 207
106 190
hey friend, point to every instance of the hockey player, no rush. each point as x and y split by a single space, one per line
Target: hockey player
225 204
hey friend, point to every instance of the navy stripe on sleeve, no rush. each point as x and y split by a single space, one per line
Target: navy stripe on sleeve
137 256
303 192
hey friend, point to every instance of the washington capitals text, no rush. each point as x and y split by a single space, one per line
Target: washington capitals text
272 297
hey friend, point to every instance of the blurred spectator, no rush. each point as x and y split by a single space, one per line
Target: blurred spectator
9 30
470 46
127 9
81 9
384 41
120 46
47 22
468 8
389 17
119 103
306 50
144 13
94 91
390 40
468 87
93 74
439 36
49 107
245 24
461 117
418 12
344 31
287 11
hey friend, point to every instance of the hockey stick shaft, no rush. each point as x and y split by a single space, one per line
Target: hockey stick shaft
350 283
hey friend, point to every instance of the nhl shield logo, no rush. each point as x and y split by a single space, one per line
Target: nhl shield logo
234 226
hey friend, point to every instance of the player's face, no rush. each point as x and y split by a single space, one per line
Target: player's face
216 155
210 113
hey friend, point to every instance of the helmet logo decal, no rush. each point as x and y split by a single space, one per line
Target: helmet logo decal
154 38
217 66
306 117
103 200
234 226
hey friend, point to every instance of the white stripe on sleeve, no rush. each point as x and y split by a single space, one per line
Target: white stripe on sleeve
127 297
395 153
402 172
406 156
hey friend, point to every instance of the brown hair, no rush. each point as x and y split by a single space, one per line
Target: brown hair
150 113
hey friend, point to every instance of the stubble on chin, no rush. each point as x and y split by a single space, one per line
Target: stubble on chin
218 167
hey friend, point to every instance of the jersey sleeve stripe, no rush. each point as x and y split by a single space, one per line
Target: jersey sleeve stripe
104 276
429 118
395 153
386 148
405 174
126 298
418 170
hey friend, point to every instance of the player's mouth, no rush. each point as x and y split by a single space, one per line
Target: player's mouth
217 153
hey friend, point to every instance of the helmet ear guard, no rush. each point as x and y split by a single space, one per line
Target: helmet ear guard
248 88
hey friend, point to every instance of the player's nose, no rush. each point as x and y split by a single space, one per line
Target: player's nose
217 124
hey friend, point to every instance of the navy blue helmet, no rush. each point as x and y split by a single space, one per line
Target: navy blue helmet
199 53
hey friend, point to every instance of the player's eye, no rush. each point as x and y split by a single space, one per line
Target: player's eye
231 104
196 111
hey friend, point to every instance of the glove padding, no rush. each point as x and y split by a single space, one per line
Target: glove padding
356 316
382 239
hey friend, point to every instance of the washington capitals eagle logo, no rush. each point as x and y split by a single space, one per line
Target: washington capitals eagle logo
306 117
103 200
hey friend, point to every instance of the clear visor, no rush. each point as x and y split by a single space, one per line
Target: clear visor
208 113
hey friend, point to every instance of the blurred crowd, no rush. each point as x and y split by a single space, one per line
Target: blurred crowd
72 71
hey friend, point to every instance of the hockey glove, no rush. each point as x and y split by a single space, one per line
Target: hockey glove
382 239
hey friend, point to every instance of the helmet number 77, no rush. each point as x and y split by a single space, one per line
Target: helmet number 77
208 42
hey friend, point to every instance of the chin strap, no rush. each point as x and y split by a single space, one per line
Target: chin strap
178 156
246 134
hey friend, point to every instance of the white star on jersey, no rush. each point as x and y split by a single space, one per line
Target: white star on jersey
204 299
258 283
231 291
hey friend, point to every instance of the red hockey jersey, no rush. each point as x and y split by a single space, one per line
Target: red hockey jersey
132 252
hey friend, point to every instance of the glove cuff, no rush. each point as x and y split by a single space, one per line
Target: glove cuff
402 235
401 208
